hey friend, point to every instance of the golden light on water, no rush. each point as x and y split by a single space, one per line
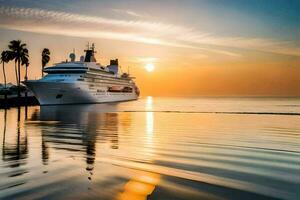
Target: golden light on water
149 116
140 186
149 125
149 103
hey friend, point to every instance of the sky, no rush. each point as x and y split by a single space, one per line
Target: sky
197 47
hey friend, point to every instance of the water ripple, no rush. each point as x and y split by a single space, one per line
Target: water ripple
153 148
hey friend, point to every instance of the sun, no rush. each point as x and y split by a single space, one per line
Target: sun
149 67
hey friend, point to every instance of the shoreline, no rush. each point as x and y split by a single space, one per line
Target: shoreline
16 102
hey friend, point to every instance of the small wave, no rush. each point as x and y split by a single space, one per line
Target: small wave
292 105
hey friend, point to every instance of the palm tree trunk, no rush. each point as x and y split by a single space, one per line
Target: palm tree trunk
19 72
26 75
26 94
19 81
4 75
16 72
5 94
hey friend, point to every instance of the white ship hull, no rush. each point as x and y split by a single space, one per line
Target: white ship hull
83 82
50 93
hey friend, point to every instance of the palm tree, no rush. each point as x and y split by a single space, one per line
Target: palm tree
18 51
25 61
45 59
5 58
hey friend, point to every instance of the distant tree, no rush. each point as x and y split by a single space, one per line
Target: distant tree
45 59
5 58
18 52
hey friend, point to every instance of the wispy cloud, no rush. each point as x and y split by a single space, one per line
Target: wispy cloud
155 33
127 12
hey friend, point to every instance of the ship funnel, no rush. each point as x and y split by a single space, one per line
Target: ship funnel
89 55
114 62
114 66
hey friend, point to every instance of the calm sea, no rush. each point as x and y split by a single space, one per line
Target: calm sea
153 148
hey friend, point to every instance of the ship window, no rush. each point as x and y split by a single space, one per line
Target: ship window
59 96
127 89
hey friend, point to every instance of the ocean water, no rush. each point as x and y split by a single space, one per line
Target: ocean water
153 148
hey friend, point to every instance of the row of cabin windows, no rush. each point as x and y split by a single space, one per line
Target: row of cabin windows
123 90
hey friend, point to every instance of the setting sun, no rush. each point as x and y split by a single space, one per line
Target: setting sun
149 67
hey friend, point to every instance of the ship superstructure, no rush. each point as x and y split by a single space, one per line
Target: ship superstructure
84 81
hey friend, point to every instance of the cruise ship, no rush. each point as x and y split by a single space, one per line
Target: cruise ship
83 82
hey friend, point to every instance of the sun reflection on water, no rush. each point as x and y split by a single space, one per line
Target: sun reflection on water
140 186
149 125
149 103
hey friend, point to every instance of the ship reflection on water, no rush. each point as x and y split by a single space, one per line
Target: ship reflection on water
93 126
68 134
87 126
148 150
